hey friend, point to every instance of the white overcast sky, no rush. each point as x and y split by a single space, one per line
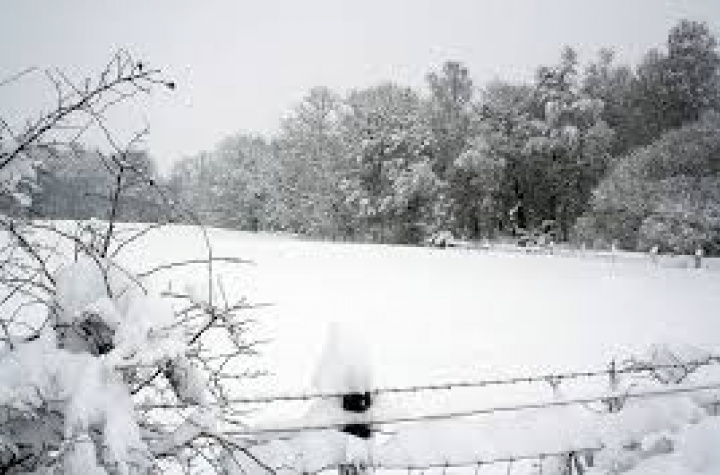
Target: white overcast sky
240 64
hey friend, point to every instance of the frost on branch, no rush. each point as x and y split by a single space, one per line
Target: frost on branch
98 374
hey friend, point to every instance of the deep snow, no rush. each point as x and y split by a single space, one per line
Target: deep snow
422 316
429 315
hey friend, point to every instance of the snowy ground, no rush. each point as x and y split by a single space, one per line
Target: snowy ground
429 316
426 316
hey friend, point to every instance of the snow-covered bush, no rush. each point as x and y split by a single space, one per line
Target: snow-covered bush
100 371
664 194
74 375
676 236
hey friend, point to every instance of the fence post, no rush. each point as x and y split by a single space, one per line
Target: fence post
654 254
345 370
698 257
614 403
356 403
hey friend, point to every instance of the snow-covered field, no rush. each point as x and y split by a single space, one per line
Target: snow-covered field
430 316
419 316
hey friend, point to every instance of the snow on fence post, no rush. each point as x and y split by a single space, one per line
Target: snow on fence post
345 370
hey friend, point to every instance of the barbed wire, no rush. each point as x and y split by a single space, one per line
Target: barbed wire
553 378
615 401
664 260
477 463
481 411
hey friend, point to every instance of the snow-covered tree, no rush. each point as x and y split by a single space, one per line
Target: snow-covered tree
477 177
568 144
242 186
663 194
394 187
234 185
313 160
505 113
612 83
693 64
450 113
674 85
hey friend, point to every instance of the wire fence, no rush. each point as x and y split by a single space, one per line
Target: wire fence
619 398
663 260
671 377
570 455
612 371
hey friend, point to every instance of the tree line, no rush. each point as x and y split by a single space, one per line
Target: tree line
596 153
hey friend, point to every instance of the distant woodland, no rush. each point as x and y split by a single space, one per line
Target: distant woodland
591 151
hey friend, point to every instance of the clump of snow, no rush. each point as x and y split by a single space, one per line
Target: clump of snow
96 296
79 285
105 324
307 452
345 365
202 421
657 444
82 458
87 393
698 447
694 452
146 333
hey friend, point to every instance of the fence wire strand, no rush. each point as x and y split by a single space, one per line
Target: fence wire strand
553 378
477 463
481 411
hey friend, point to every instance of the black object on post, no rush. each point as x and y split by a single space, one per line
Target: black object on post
361 431
357 403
